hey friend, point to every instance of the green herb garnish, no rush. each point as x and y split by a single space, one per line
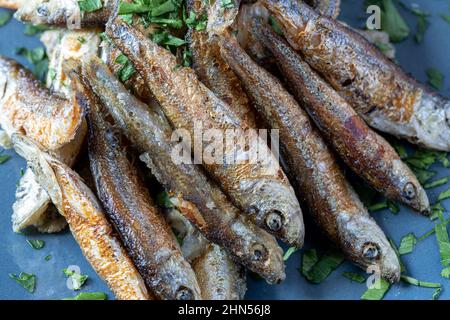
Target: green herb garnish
78 279
445 17
419 283
227 4
36 244
163 200
309 259
435 78
397 253
26 280
444 195
436 183
354 277
289 252
127 70
4 157
276 27
407 244
31 30
436 294
38 58
89 296
377 291
90 5
48 257
5 16
324 266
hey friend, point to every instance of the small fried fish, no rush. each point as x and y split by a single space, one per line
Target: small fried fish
219 276
86 220
198 198
385 96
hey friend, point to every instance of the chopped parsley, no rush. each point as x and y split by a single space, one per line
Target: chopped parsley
407 244
78 279
435 78
354 277
377 291
436 294
197 23
89 296
5 16
445 17
127 70
4 157
445 273
289 252
436 183
38 58
397 253
276 27
391 21
48 257
419 283
227 4
31 30
444 195
443 241
163 200
36 244
316 270
422 22
26 280
90 5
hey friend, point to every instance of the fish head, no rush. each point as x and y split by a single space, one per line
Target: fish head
362 240
260 251
412 192
276 209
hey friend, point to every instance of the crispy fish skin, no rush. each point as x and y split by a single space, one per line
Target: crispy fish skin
203 203
379 90
266 196
60 13
362 149
87 221
29 108
12 4
219 276
211 69
333 203
144 233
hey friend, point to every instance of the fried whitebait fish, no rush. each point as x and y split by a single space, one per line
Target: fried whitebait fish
64 13
198 198
211 69
262 191
361 148
219 276
379 90
27 107
145 234
86 220
333 203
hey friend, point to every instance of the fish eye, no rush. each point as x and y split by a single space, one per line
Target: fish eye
371 251
184 293
274 220
409 191
259 252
